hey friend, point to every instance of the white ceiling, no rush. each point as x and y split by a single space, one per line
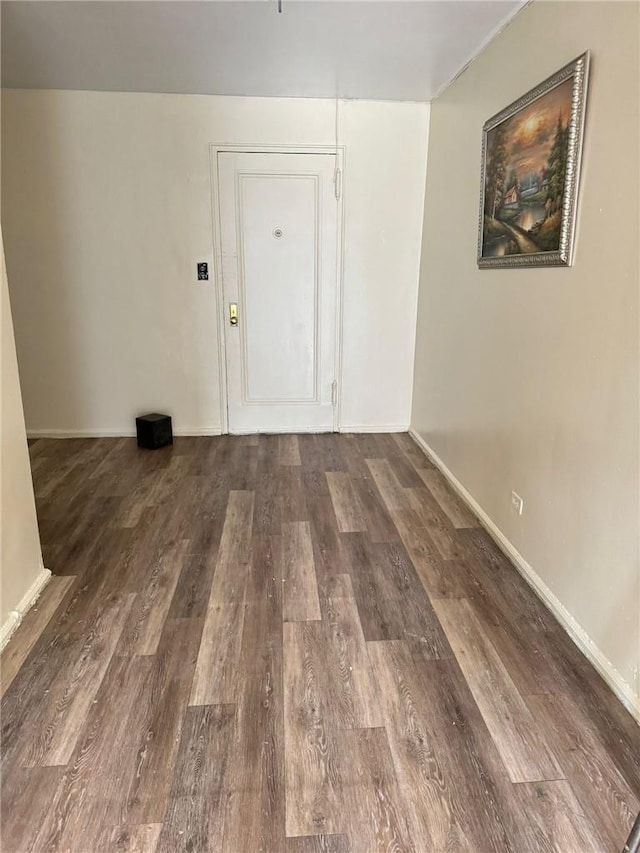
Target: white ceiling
376 50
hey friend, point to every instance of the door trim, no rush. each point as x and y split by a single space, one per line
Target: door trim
214 150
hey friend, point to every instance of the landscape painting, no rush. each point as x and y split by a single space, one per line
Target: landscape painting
531 157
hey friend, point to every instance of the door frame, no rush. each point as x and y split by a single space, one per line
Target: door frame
214 150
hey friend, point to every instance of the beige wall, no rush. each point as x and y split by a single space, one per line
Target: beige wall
529 379
106 209
21 572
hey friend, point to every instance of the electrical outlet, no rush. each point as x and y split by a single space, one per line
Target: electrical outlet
203 271
517 504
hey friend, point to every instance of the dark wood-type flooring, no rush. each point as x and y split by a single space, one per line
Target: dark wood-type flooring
296 644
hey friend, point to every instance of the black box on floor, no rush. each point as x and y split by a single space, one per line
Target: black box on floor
154 431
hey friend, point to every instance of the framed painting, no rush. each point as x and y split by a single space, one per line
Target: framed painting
530 171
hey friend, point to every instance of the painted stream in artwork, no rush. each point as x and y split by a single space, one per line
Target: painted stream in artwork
526 219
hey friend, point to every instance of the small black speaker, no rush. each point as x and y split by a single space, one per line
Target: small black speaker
154 431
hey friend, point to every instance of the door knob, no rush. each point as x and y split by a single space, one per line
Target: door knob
233 314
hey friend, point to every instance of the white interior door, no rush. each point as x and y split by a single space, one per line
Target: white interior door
278 219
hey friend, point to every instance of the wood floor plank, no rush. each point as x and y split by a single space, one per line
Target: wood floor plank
441 578
255 809
373 806
131 472
594 702
300 593
67 705
596 780
25 799
266 514
432 815
414 454
160 714
351 690
37 463
355 463
26 635
142 632
116 456
367 445
373 591
520 742
402 467
328 556
393 494
215 680
203 509
216 671
193 589
314 483
330 451
68 468
236 464
346 505
437 525
392 603
312 774
293 504
471 765
24 705
195 818
528 660
120 559
379 524
311 457
31 444
318 844
269 453
288 451
79 533
507 589
252 440
138 498
138 838
235 545
458 514
557 821
201 455
88 796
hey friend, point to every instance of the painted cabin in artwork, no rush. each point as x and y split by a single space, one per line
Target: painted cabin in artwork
512 197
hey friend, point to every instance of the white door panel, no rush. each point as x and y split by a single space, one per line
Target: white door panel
278 221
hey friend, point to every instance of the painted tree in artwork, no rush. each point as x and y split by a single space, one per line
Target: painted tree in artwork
548 237
496 170
557 168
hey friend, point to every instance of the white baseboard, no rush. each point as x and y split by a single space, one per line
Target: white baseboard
373 429
115 433
279 432
25 604
380 428
80 433
583 641
356 429
195 431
